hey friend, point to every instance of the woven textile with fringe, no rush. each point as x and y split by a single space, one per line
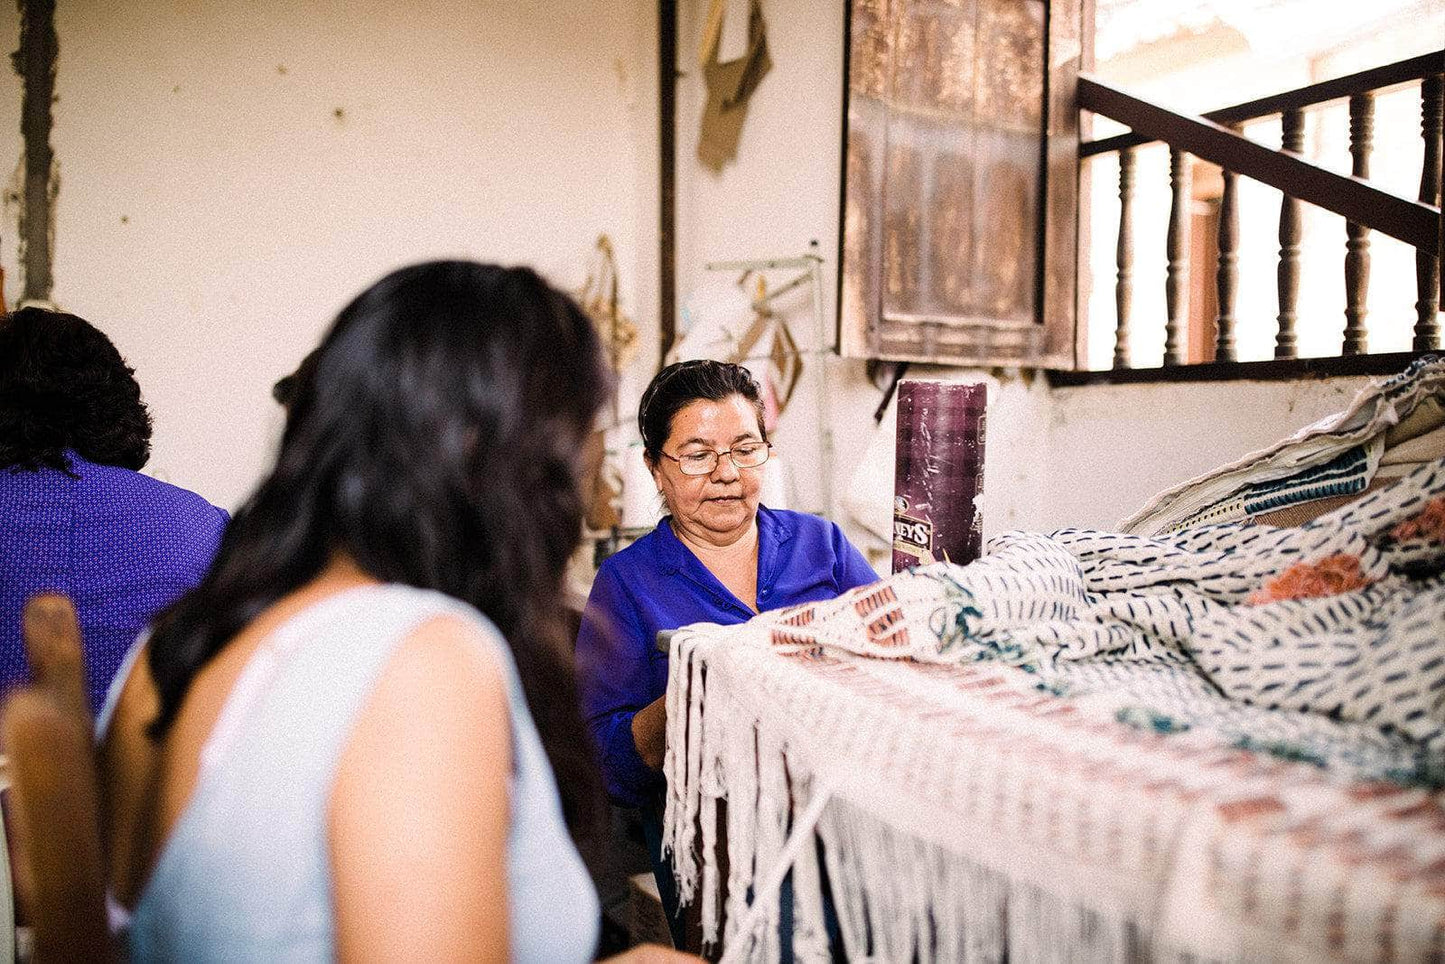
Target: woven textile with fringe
1225 743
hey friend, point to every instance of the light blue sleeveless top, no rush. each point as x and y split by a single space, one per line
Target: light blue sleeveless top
245 875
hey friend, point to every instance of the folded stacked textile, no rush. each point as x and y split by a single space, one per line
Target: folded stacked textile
1225 742
1336 457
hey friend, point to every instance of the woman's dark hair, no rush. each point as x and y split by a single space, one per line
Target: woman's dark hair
286 387
436 441
682 383
64 386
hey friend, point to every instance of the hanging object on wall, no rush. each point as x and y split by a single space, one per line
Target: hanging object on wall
598 299
729 84
716 319
782 363
787 365
602 484
711 322
723 324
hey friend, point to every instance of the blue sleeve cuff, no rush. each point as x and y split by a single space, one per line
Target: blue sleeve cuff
629 781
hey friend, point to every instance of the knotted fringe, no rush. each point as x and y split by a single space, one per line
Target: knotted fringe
896 898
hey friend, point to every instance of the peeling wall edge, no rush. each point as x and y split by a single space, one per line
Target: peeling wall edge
35 63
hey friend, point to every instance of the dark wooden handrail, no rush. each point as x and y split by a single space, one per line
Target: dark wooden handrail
1357 200
1376 79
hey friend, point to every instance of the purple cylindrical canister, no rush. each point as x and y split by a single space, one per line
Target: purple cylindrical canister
938 474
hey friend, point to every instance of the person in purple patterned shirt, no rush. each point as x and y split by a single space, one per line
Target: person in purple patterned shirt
76 515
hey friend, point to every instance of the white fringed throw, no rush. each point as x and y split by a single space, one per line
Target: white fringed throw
1083 747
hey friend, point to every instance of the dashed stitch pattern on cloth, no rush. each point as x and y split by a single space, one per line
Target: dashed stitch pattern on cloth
1088 741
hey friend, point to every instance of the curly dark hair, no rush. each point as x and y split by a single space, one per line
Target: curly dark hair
64 386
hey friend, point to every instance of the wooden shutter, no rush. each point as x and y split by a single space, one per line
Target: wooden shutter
960 186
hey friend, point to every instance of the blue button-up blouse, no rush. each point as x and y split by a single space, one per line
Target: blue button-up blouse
657 583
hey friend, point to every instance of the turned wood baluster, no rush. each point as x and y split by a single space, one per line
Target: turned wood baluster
1285 343
1124 257
1357 243
1176 274
1226 279
1427 262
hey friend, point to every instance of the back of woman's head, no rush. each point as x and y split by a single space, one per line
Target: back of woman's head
682 383
436 442
441 423
64 386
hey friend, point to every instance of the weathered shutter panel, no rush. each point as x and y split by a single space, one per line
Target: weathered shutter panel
957 145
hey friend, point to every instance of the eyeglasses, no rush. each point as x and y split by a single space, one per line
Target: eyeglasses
747 455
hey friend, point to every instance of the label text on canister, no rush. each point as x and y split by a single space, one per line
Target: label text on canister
911 535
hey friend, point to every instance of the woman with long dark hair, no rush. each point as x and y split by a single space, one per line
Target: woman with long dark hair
328 749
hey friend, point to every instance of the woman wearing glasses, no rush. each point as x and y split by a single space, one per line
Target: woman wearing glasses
718 557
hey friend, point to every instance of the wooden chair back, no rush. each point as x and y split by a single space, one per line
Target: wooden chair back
48 734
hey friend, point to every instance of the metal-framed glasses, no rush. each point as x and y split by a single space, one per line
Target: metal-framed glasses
744 455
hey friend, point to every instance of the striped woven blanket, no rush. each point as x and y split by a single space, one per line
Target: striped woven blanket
1223 743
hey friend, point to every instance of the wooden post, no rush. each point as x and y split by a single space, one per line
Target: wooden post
1357 243
1123 288
1226 279
35 63
1285 342
1427 262
666 178
1176 272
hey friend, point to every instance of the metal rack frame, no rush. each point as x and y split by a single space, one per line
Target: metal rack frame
811 265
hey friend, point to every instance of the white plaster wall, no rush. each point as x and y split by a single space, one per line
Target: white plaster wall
782 192
1092 455
232 173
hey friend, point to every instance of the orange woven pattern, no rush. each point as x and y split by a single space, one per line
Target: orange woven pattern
1329 576
1429 524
